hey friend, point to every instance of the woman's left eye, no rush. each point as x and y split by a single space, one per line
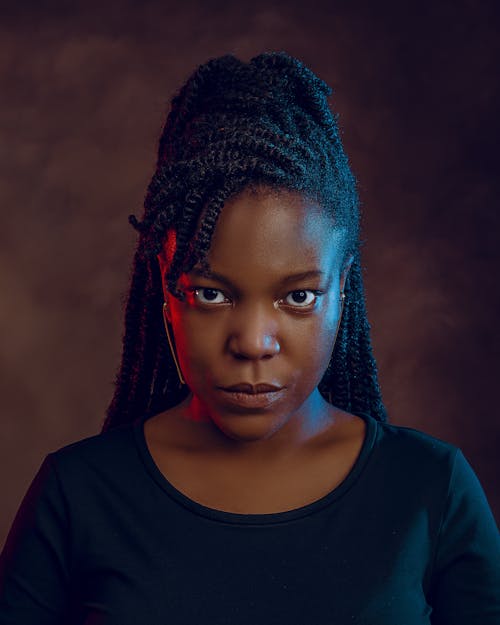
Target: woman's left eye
303 297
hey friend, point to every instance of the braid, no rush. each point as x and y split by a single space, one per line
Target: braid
232 126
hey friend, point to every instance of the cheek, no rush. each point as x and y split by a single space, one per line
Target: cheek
321 343
320 339
187 334
194 345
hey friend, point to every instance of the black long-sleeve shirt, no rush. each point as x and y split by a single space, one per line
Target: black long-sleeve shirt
102 538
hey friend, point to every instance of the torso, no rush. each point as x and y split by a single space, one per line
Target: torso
211 479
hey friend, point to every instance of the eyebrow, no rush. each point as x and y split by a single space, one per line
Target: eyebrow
213 275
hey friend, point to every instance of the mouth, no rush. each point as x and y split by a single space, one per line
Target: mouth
241 399
246 387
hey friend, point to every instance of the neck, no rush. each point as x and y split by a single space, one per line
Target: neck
270 438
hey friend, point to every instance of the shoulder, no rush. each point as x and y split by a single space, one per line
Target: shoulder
110 451
412 456
69 478
400 439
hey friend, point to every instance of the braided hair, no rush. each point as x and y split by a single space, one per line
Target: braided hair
236 126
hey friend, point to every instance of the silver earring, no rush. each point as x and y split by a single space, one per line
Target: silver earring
171 345
341 299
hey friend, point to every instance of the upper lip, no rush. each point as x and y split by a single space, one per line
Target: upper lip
245 387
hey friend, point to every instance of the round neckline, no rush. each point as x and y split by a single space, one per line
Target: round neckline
269 518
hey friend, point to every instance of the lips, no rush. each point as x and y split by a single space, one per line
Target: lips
242 401
252 389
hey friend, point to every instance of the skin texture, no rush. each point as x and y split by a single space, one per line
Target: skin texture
258 330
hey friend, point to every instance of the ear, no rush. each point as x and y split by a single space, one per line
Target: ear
345 271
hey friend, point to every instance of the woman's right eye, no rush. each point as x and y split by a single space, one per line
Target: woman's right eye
207 295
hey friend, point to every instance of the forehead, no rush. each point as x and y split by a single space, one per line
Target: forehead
274 232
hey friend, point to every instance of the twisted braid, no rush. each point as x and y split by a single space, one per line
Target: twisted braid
231 126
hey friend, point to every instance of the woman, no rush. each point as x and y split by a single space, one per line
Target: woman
246 472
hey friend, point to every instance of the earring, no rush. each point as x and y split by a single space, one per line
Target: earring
341 299
171 345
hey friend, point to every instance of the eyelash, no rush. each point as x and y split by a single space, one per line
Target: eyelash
316 292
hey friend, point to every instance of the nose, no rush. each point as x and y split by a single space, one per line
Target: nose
253 335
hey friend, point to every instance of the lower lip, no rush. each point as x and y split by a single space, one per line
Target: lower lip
248 400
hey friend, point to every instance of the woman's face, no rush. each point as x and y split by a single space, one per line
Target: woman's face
257 323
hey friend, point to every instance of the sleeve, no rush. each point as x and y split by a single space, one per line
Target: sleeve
466 576
34 569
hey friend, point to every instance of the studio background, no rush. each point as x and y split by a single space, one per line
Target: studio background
85 92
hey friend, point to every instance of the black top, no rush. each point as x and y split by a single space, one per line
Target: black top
103 538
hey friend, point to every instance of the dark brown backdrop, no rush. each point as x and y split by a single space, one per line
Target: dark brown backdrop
85 91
